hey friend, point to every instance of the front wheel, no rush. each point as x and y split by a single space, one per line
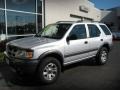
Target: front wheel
102 56
49 70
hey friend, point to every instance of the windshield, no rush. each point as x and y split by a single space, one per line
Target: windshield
54 31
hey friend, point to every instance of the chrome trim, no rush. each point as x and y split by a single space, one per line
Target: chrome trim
74 61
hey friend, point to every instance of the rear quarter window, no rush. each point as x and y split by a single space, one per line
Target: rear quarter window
105 30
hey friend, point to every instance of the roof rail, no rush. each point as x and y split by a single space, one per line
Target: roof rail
79 21
65 21
97 21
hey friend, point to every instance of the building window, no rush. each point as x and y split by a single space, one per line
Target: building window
39 23
2 22
21 16
2 3
39 6
22 5
21 23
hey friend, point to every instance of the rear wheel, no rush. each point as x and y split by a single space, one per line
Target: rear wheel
102 56
49 70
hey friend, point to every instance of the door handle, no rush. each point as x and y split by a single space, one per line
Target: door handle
101 39
86 42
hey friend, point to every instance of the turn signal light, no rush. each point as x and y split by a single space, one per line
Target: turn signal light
29 55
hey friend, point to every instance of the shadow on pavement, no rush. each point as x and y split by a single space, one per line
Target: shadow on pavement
11 78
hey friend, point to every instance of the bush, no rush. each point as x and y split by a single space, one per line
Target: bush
3 45
1 57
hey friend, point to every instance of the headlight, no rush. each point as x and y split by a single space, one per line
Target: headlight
27 54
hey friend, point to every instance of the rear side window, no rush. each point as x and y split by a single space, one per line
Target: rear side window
93 31
105 30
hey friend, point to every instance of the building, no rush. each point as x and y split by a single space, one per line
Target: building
60 10
20 18
112 18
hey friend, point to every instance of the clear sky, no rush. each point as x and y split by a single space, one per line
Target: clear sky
106 4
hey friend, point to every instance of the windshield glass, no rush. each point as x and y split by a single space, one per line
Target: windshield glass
54 31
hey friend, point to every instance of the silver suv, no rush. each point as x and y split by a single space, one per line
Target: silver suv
58 45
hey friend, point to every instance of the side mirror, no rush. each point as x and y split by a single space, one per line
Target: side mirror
68 39
71 37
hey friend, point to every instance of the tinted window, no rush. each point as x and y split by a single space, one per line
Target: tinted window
105 30
93 31
39 6
2 22
78 32
2 3
22 5
21 23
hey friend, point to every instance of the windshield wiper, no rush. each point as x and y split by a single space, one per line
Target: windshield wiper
37 35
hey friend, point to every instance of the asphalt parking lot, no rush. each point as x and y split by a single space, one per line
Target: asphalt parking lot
81 76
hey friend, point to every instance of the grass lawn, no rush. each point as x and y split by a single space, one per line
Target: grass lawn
1 57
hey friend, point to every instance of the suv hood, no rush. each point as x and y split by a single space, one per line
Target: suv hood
31 42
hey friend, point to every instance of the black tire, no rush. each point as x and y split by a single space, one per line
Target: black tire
102 56
49 70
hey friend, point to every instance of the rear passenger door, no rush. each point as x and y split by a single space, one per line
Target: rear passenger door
95 39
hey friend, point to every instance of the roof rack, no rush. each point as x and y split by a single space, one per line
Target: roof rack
97 21
65 22
86 21
79 21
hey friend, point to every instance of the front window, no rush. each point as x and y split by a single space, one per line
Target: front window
54 31
78 32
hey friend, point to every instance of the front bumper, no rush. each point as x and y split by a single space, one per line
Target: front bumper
22 66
